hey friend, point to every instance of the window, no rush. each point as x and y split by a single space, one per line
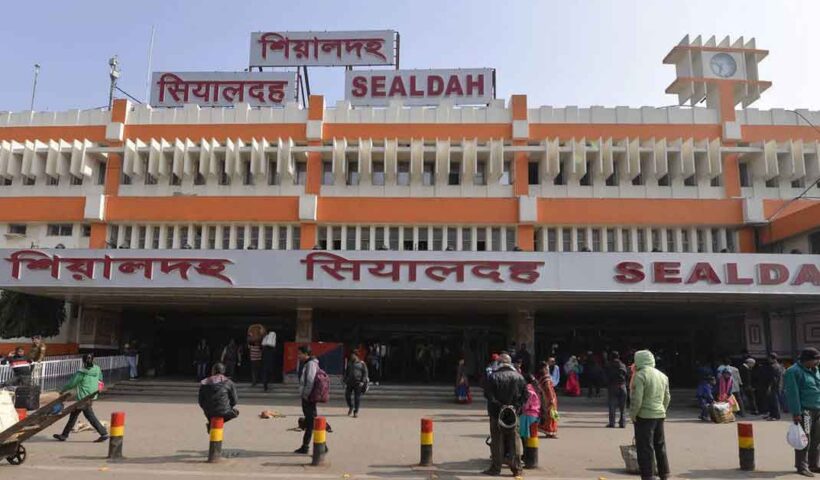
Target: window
743 170
126 237
638 181
297 237
247 176
481 173
240 237
511 240
301 173
581 240
283 239
29 181
670 240
799 183
268 238
452 238
378 173
327 173
337 237
438 239
730 241
380 243
814 243
612 180
611 243
150 179
481 239
211 237
701 241
566 239
101 174
197 237
690 181
506 173
596 240
773 183
254 241
169 236
715 240
352 173
155 238
273 175
183 237
466 239
224 178
394 238
199 179
175 180
350 238
656 241
455 174
52 181
626 240
125 179
559 179
142 231
86 230
664 181
226 237
423 243
532 173
407 241
17 229
716 182
113 233
5 182
641 240
59 229
495 237
428 177
586 180
684 240
364 241
403 178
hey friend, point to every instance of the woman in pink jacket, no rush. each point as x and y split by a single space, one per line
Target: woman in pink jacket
531 411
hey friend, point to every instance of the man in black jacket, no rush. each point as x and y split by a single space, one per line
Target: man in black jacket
356 379
217 395
747 379
616 379
505 388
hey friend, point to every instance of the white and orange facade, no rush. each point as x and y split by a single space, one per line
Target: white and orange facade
469 181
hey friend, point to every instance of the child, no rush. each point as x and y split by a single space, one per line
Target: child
706 397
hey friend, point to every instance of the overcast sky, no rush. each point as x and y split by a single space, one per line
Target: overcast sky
559 53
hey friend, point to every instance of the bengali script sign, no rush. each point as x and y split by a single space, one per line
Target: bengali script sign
222 89
86 268
290 49
420 87
341 269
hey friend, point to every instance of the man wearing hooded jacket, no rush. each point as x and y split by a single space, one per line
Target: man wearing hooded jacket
650 400
505 387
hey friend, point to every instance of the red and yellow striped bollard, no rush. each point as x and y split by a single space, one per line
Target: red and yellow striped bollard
426 442
215 448
319 441
116 436
531 448
746 446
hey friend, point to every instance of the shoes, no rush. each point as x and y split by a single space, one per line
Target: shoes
517 473
805 473
101 439
814 469
302 449
610 425
492 472
623 425
349 411
60 437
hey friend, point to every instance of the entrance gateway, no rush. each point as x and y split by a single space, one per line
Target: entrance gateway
690 307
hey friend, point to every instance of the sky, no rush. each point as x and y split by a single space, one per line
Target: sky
579 52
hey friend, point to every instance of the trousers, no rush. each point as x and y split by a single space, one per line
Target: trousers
774 403
310 413
616 396
499 437
809 456
353 395
651 445
88 412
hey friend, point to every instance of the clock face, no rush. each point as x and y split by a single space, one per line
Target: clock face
723 65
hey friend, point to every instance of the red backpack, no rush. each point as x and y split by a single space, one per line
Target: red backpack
321 387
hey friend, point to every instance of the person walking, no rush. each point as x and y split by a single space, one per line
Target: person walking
594 375
747 386
131 357
85 383
463 394
802 381
309 365
255 357
217 396
506 394
572 369
554 371
772 375
230 358
37 353
202 357
650 401
549 423
268 358
356 380
616 377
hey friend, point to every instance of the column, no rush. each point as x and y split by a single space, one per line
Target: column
304 325
522 330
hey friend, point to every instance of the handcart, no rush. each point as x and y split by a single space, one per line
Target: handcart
12 438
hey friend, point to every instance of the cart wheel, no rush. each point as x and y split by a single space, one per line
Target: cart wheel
19 457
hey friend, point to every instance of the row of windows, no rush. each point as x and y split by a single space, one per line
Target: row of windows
632 239
52 229
422 238
210 237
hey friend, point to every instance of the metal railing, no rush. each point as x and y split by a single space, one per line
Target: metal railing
53 374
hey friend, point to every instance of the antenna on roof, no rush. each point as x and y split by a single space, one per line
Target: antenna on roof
150 58
114 74
34 87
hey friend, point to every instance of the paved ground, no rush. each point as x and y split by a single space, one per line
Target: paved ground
165 438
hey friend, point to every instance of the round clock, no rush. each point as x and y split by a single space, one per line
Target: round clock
723 65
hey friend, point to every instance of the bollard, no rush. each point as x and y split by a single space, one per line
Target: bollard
531 448
319 441
22 413
215 449
116 436
426 442
746 446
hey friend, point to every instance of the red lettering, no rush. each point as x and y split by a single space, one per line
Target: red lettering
807 273
477 83
435 85
703 271
666 272
454 87
377 85
415 92
359 86
772 274
732 277
397 87
629 272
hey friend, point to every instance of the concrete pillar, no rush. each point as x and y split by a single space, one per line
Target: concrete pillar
522 329
304 325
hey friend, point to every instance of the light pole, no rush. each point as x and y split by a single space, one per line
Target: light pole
114 74
34 87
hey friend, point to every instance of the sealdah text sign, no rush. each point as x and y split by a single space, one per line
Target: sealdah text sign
712 273
420 87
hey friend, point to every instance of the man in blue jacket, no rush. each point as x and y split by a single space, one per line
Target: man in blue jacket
802 382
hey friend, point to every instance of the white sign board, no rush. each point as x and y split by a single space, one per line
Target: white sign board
222 89
306 270
376 88
292 49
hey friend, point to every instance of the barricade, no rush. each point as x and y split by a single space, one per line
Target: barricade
426 442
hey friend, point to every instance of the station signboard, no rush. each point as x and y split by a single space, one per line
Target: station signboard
376 88
222 89
328 49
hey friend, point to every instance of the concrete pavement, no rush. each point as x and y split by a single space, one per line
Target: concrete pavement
165 438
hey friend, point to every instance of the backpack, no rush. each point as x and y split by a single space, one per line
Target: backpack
321 387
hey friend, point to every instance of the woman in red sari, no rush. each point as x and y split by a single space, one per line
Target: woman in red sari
573 371
549 416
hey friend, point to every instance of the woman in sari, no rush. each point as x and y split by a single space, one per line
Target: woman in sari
573 369
463 394
549 409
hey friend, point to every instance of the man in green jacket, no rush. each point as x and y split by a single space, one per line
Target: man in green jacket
86 382
650 400
802 382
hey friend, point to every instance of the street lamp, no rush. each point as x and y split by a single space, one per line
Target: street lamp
34 87
114 74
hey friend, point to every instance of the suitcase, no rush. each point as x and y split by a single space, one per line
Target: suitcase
27 397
